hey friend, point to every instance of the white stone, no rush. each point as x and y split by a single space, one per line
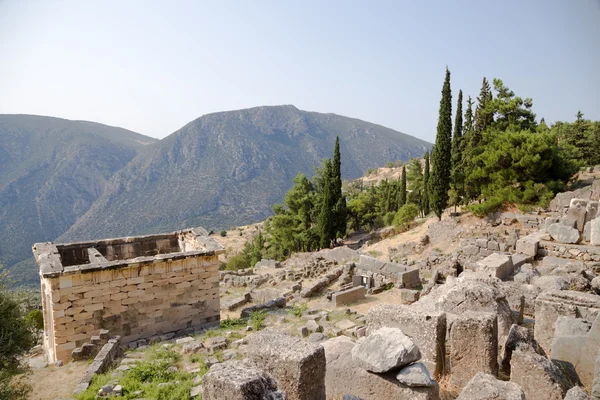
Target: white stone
415 375
384 350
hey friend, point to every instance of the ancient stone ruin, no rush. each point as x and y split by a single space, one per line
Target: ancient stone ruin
135 287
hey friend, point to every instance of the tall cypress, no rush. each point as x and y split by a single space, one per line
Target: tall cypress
468 146
402 194
441 161
326 218
483 115
425 198
457 153
338 200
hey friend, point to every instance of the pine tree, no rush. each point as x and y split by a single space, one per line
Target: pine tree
468 151
441 161
326 218
425 198
402 194
339 200
457 155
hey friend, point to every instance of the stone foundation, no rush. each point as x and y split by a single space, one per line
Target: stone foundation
135 287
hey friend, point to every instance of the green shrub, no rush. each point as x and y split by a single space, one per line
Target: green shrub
240 261
257 318
389 164
223 233
231 323
299 309
36 319
388 218
486 208
405 215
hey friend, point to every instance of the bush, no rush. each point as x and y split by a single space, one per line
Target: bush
232 323
36 319
388 218
257 318
389 164
486 208
405 215
299 309
223 233
239 261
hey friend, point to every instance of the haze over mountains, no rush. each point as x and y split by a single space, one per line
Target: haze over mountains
66 180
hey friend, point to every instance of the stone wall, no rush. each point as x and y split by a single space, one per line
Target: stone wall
135 298
572 251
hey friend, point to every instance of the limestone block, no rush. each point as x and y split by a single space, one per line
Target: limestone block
427 329
596 384
343 377
415 375
577 211
473 346
348 296
592 209
528 245
576 393
497 266
384 350
595 232
237 380
487 387
564 234
516 336
539 378
298 366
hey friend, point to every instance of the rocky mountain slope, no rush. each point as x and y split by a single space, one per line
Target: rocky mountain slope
228 168
51 172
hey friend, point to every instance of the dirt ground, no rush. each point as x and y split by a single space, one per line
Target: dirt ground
53 382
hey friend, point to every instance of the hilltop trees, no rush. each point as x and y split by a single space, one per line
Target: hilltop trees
441 158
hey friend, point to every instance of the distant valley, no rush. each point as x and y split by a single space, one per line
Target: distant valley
64 180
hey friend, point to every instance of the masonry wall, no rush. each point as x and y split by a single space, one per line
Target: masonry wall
135 300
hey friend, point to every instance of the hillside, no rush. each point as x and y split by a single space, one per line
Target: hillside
228 168
51 172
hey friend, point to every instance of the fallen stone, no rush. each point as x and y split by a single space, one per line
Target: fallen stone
516 335
564 234
345 324
184 340
298 366
551 282
237 380
415 375
344 376
473 346
487 387
192 347
385 350
313 326
576 393
497 266
317 337
595 232
539 377
303 331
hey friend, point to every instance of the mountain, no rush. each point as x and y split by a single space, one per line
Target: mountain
228 168
51 172
220 170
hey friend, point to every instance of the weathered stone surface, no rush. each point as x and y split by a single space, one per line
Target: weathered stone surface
595 232
570 326
192 347
348 296
528 245
552 304
317 337
564 234
596 384
415 375
516 336
576 393
497 266
578 211
473 346
298 366
279 302
539 378
384 350
426 328
487 387
237 380
343 377
551 282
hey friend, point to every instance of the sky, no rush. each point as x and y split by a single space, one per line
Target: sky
153 66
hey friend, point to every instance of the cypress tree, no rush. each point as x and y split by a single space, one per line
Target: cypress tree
468 151
402 194
338 200
483 116
425 198
326 218
457 153
441 161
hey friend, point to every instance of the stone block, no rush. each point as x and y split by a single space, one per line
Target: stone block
576 393
298 366
348 296
595 232
487 387
237 380
427 329
539 377
592 210
577 211
497 266
409 295
564 234
528 245
516 335
343 376
385 350
473 346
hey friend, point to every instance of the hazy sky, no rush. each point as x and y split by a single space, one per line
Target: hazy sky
153 66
